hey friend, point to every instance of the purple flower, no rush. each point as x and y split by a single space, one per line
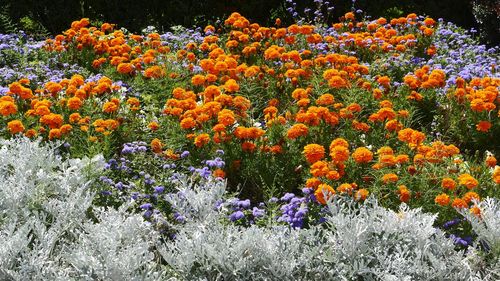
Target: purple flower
184 154
236 216
178 217
146 206
287 196
159 189
256 212
245 204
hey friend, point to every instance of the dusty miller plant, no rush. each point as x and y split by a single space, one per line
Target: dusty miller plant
46 230
485 256
359 242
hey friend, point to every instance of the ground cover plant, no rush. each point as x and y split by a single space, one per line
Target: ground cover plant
366 149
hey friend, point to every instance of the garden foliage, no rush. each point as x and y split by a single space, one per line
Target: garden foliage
365 149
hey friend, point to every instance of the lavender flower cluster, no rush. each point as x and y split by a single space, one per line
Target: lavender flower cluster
22 57
459 55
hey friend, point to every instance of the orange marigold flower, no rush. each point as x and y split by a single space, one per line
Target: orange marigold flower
297 130
52 120
226 117
476 211
231 86
66 128
153 125
109 107
361 194
248 146
313 182
323 193
325 99
54 133
459 203
404 193
219 173
362 155
491 161
467 180
188 123
74 103
154 72
198 80
30 133
496 175
134 103
156 145
125 68
387 178
345 188
201 139
442 199
314 152
384 81
15 127
319 169
74 117
469 196
337 82
483 126
339 153
448 183
7 108
339 142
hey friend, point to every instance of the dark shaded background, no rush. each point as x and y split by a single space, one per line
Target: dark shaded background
56 15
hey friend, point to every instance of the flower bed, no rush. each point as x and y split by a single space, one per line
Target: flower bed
302 136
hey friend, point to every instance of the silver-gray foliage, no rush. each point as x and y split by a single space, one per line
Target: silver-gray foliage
487 227
357 243
49 230
45 233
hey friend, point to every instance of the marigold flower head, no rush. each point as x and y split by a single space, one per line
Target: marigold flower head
459 203
201 139
362 155
448 183
248 146
219 173
15 126
389 178
323 193
483 126
188 123
339 142
226 117
297 130
153 126
156 145
404 193
345 188
231 86
442 199
467 180
339 153
54 133
125 68
361 194
314 152
491 161
496 175
7 108
313 183
471 195
109 107
74 103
